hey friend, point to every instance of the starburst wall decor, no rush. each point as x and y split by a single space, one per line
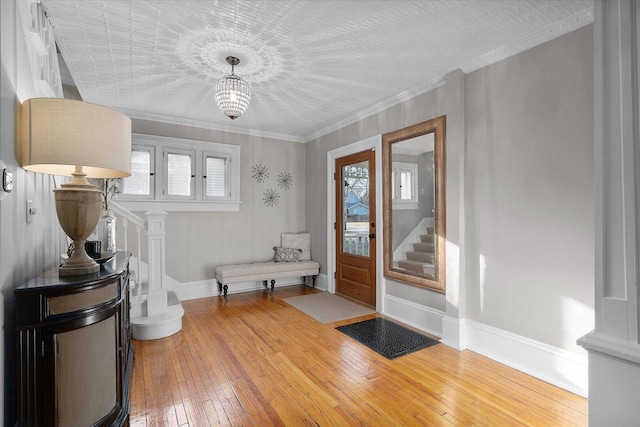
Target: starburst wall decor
271 198
285 180
260 172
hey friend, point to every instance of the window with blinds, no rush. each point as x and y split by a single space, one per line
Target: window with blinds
216 177
179 173
140 183
182 175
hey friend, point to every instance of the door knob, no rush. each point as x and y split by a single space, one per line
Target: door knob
372 235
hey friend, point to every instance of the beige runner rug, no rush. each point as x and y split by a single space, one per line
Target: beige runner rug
328 308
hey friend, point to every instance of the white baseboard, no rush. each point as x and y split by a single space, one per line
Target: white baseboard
192 290
452 332
209 288
562 368
322 282
415 315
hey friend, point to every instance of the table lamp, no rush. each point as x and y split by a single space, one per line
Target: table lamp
75 138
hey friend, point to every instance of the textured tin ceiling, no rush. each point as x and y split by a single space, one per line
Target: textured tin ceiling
313 66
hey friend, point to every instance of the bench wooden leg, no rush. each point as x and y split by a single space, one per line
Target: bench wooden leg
219 288
313 281
226 287
273 285
264 283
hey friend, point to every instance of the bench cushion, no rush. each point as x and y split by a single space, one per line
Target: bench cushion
264 271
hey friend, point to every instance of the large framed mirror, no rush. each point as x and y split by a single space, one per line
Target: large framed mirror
414 204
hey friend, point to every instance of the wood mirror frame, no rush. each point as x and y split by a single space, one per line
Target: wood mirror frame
432 275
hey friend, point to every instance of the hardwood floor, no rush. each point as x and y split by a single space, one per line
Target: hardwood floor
256 361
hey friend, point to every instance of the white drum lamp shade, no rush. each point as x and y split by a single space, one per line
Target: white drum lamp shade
74 138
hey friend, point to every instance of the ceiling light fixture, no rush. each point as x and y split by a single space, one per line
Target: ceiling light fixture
232 92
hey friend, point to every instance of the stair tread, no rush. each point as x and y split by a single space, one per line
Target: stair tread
408 261
412 265
427 238
425 257
424 247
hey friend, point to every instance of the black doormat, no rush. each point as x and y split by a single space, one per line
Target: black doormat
387 338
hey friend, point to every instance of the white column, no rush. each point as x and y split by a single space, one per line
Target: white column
157 298
613 347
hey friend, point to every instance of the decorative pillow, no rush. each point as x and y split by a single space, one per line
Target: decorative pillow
286 254
298 240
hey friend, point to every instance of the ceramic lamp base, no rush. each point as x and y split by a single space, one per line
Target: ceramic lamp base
78 207
71 270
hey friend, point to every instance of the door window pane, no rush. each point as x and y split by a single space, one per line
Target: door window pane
355 208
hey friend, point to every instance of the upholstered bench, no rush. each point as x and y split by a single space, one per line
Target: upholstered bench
292 258
265 271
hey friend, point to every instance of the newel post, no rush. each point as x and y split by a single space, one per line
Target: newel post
614 345
157 298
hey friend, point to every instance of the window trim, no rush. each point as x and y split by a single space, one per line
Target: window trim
152 171
229 185
166 151
198 203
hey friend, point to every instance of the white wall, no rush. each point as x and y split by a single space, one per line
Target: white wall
25 249
197 242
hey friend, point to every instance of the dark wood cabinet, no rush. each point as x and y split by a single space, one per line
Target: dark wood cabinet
74 348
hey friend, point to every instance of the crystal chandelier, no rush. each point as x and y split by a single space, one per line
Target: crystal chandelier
232 92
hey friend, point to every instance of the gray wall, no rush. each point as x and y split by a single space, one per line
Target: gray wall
26 249
527 252
529 187
418 109
197 242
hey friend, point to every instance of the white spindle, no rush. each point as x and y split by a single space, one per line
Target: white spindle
139 249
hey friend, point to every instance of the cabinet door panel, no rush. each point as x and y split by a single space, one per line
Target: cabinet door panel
86 367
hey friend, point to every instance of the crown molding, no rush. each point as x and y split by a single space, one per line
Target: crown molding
571 24
378 108
208 125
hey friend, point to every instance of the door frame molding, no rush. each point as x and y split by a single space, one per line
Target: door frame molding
372 143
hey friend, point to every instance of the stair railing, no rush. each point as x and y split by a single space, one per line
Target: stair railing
153 229
127 217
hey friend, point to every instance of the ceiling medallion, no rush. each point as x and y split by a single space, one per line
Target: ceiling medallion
232 92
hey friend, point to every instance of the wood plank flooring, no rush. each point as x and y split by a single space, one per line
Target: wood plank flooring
256 361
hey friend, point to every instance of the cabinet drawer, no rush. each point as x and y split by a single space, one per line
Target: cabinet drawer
82 300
